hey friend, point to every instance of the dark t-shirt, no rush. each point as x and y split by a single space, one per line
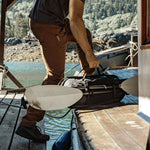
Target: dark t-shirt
50 11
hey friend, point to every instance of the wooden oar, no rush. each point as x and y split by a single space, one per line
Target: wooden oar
52 97
131 86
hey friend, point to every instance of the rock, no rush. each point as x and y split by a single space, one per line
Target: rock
17 41
29 50
12 41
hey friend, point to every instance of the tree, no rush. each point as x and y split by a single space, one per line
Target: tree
21 27
110 11
9 28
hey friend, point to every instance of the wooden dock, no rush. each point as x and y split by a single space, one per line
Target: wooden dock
112 127
10 117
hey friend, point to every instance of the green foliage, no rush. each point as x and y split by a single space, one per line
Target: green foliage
21 28
9 28
95 12
108 10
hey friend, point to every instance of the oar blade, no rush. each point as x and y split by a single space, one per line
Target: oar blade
131 86
52 97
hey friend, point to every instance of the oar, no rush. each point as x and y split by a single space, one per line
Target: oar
52 97
130 86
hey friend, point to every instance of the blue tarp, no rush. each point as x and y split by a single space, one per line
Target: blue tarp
126 74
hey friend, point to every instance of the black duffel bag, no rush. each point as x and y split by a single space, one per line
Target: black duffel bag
97 89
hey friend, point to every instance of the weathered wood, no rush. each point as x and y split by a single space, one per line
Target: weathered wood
10 3
10 117
138 132
113 50
18 84
1 79
2 32
133 115
4 108
7 126
118 127
114 130
6 4
13 90
93 136
19 143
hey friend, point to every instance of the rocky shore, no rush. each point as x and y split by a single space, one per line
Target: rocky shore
30 52
29 49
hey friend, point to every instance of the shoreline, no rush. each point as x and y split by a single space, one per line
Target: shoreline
28 50
27 53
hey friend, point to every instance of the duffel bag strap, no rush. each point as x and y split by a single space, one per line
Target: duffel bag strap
100 72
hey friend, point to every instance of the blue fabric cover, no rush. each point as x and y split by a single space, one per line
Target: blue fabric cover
126 74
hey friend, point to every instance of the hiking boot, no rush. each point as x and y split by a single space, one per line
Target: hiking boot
32 133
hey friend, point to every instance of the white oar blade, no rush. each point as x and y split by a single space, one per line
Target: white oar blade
52 97
131 86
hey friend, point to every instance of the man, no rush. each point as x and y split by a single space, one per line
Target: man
53 31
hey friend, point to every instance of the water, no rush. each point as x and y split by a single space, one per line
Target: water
30 74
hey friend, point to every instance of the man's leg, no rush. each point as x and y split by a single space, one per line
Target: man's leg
53 53
71 39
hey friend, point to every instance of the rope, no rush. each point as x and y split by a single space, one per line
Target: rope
133 47
4 69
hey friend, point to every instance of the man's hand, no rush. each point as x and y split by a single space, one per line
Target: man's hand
92 60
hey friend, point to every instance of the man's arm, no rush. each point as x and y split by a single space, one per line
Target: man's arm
76 8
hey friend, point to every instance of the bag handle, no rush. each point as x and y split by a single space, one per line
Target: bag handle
98 69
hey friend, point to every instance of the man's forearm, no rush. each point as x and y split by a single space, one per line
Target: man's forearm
77 26
78 29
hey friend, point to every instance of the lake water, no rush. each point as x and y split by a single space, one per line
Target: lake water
29 74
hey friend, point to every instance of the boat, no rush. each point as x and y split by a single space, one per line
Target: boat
91 125
115 63
123 124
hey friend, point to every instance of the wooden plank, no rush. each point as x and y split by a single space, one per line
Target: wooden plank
113 50
19 143
134 108
130 127
4 108
1 79
2 32
14 90
10 3
127 109
95 133
7 126
119 136
10 75
121 123
129 114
